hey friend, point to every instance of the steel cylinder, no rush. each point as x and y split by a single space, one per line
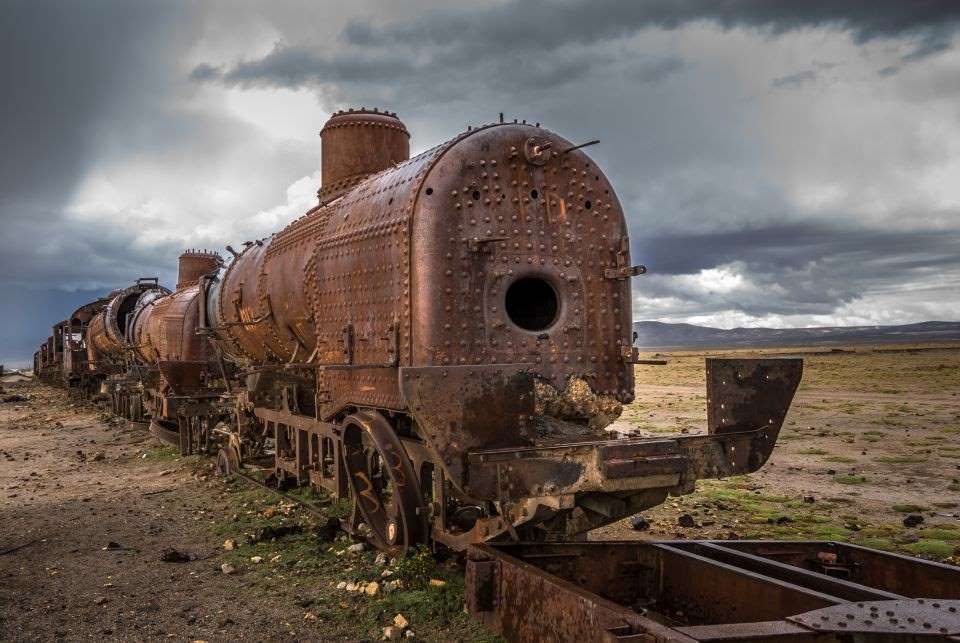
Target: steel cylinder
194 264
357 143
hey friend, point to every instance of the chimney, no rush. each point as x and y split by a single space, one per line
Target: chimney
194 264
357 143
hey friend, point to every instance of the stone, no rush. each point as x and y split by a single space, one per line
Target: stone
400 621
256 559
436 582
342 584
228 569
372 588
356 548
229 544
686 520
391 633
381 559
409 634
912 520
640 523
171 555
309 616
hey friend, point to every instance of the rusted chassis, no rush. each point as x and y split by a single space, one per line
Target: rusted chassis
687 591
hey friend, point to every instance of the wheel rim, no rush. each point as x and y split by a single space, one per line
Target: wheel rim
385 490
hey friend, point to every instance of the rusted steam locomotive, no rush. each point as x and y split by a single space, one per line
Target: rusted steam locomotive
441 341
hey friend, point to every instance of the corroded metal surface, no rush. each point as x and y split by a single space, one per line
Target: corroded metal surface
671 591
472 303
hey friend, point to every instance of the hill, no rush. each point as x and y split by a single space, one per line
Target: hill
651 334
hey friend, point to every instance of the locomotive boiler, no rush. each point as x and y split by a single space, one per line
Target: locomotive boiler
441 341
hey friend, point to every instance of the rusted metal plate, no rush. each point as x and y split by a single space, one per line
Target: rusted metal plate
658 591
917 616
465 408
749 394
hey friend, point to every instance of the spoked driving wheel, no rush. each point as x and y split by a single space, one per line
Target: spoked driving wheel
383 482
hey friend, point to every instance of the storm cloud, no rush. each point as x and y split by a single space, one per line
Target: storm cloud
780 162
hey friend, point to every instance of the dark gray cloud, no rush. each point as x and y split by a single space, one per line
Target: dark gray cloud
452 37
139 128
799 269
446 39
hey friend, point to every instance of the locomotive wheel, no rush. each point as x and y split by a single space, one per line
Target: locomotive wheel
228 461
383 482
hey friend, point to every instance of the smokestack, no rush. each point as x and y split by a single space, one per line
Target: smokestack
358 143
194 264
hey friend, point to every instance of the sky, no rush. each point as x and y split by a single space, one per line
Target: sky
780 163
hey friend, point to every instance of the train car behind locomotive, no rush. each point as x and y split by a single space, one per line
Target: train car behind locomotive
444 337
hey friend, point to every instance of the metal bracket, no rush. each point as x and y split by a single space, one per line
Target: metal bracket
632 356
480 244
625 272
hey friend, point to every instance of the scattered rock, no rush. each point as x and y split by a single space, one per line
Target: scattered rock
381 559
228 569
256 559
400 621
392 585
372 588
640 523
852 526
409 634
809 500
98 456
229 544
328 531
356 549
686 520
171 555
912 520
275 533
99 600
436 582
342 584
112 546
391 633
310 616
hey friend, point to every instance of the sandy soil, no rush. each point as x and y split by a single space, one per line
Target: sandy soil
72 484
872 436
89 506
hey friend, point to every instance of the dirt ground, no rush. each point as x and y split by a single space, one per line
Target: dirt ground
93 504
89 505
872 437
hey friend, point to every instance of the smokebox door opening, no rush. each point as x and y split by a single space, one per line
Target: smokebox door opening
532 303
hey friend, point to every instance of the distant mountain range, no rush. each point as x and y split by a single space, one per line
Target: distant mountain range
651 334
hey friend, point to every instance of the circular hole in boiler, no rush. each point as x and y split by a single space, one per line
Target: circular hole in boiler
531 303
476 195
429 191
588 205
534 194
